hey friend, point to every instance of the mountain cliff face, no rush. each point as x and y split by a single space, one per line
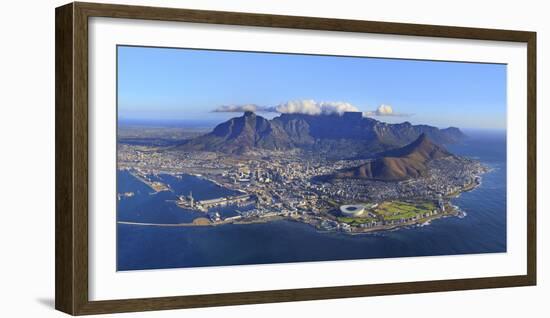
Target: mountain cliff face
242 134
348 133
399 164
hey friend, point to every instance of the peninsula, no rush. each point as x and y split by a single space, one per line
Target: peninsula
343 172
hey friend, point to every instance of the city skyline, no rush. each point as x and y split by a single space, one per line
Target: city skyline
190 84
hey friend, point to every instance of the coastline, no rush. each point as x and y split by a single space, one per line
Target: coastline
353 226
454 211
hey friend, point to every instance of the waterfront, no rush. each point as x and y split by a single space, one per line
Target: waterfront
483 230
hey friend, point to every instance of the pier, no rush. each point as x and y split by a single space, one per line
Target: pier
203 205
207 204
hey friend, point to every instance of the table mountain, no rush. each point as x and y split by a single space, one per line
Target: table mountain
349 133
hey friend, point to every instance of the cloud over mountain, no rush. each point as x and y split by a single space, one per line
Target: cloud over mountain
307 106
383 110
238 108
312 107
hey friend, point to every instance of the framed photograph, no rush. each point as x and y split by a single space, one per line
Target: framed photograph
211 158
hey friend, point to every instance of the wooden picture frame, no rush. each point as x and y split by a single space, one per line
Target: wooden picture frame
71 90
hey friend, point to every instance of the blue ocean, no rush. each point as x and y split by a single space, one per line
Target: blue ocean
482 230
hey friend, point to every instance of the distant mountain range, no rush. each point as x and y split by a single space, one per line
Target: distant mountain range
399 164
349 134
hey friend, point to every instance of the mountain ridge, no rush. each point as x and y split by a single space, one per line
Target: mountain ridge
347 133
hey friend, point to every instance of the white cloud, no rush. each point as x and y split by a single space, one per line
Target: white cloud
383 110
308 106
311 107
238 108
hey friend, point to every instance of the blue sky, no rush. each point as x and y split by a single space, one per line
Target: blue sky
183 84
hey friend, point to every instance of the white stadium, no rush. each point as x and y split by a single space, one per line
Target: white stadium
352 210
